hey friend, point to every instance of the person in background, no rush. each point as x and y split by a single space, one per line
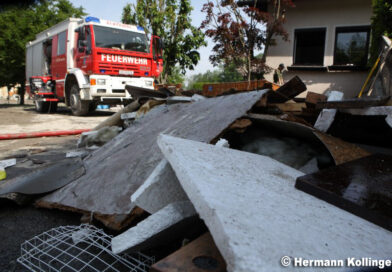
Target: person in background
278 74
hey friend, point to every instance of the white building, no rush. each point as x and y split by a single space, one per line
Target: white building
328 45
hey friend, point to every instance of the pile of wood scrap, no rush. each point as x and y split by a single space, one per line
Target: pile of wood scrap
235 182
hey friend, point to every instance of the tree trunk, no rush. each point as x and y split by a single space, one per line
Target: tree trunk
21 92
8 93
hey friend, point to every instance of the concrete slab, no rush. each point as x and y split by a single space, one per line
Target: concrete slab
159 190
146 233
327 116
256 216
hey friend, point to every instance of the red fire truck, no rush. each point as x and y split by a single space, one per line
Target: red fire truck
86 62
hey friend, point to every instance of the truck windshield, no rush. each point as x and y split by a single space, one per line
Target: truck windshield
106 37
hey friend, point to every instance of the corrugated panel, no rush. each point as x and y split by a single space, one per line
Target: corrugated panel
116 170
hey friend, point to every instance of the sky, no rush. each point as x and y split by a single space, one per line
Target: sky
112 10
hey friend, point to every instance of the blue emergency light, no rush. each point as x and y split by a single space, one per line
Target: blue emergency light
92 19
140 28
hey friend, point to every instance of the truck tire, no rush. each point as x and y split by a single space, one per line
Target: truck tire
52 107
78 107
41 106
45 107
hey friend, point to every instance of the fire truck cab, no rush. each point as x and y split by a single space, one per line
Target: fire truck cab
86 62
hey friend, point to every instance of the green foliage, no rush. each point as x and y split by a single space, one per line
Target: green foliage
223 74
18 25
176 77
170 20
381 25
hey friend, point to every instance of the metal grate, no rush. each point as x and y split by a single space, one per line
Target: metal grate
78 248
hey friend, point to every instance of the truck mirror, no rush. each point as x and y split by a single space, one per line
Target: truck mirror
82 43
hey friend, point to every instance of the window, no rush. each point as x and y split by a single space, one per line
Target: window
351 46
61 43
106 37
309 46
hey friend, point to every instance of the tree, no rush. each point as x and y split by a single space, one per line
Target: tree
239 32
381 25
19 24
170 20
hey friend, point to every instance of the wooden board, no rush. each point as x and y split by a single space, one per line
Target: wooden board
198 256
288 91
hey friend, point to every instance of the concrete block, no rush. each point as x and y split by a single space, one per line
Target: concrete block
157 226
128 115
159 190
327 116
256 216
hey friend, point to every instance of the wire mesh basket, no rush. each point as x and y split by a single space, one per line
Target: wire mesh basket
78 248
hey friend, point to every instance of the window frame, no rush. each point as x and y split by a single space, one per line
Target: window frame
349 29
309 29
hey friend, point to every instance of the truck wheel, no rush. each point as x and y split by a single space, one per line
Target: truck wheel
41 106
52 107
78 107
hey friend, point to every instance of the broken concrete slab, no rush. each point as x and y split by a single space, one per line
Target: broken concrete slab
128 115
327 116
162 187
116 170
159 190
255 214
158 226
98 137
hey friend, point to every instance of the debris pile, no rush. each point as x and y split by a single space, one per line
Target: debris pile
228 183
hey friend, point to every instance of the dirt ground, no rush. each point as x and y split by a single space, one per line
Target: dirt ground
18 119
20 223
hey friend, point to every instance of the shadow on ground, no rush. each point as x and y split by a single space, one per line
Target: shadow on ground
18 224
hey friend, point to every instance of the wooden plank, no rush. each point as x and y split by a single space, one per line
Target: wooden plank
353 103
313 98
288 91
362 187
289 107
198 256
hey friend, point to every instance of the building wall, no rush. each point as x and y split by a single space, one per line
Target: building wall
316 14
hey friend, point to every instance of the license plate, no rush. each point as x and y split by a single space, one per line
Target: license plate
125 72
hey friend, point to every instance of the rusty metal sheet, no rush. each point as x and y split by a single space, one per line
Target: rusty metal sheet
198 256
340 150
362 187
116 170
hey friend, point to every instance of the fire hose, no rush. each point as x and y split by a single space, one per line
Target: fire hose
42 134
